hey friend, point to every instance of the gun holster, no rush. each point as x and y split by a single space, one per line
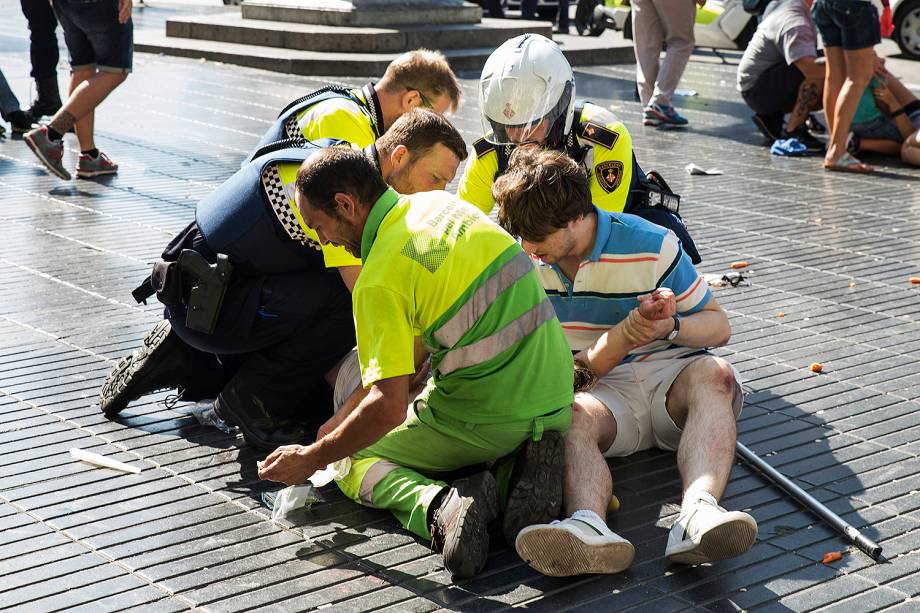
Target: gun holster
655 191
190 275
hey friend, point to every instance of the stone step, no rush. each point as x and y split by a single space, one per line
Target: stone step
233 28
340 13
580 51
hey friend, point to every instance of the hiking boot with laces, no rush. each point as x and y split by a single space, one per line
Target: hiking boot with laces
459 528
574 546
705 532
89 167
535 486
160 363
49 152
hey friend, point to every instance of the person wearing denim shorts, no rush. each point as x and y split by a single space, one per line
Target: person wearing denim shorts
849 28
100 39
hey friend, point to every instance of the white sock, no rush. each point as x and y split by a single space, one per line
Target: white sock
594 519
693 496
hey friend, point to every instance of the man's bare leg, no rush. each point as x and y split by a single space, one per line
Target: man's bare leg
700 402
587 482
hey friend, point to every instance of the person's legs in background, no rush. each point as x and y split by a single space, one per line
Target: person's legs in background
858 67
677 21
562 18
9 109
648 36
101 51
44 53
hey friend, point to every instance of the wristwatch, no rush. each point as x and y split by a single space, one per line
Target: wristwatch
676 330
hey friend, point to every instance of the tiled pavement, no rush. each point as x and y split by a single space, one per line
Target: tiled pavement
831 252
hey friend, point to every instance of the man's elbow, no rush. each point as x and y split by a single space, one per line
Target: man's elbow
724 336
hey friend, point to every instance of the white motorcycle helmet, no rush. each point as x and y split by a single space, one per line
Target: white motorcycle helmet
527 93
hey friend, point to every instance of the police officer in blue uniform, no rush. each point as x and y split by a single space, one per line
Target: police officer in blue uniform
258 312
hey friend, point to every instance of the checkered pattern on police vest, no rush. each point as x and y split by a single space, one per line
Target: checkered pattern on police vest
280 197
292 128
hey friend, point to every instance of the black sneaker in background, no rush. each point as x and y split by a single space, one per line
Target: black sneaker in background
770 126
460 526
812 144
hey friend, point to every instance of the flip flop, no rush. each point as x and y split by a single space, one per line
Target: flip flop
847 163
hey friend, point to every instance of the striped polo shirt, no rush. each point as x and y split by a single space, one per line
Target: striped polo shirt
631 257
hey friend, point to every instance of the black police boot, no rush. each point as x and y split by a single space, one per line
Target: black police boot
49 98
162 362
239 407
460 526
535 486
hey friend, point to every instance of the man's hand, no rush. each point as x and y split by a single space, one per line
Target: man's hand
651 320
660 304
124 10
291 464
884 99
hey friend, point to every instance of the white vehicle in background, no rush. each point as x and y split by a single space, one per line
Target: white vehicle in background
720 24
906 14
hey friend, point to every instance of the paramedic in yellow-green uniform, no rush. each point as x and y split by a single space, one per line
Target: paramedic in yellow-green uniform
438 271
416 79
284 320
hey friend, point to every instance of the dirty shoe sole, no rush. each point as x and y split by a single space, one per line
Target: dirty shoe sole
536 496
727 540
117 391
466 549
558 552
60 172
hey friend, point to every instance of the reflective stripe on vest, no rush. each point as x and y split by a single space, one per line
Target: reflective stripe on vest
463 320
490 346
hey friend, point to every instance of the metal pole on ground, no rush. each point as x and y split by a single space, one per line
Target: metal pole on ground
865 544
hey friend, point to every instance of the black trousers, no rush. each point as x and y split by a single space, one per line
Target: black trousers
43 48
277 336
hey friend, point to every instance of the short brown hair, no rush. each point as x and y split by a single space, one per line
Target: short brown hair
425 71
336 170
419 130
542 191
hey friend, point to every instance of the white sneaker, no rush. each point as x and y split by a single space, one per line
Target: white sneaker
573 547
705 532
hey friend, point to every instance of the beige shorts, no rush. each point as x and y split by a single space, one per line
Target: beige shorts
347 380
636 393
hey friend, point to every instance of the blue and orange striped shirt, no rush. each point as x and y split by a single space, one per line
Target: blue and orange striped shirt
631 257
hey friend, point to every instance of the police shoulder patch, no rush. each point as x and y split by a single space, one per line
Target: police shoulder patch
609 174
598 134
482 147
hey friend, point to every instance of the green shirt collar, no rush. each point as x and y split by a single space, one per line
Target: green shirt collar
380 209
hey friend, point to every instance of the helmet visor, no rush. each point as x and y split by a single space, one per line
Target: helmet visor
513 116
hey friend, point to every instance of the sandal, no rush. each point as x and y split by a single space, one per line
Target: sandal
847 163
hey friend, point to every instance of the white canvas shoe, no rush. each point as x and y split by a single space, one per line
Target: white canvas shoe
573 547
705 532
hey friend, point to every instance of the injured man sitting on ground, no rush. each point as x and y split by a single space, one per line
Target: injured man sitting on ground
639 318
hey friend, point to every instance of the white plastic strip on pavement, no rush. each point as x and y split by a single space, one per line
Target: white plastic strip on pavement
100 460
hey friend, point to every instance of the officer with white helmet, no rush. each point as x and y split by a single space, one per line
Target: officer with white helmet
527 96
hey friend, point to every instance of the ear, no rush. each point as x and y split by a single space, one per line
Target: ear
346 204
399 156
410 99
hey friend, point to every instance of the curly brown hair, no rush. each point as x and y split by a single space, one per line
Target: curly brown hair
542 191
